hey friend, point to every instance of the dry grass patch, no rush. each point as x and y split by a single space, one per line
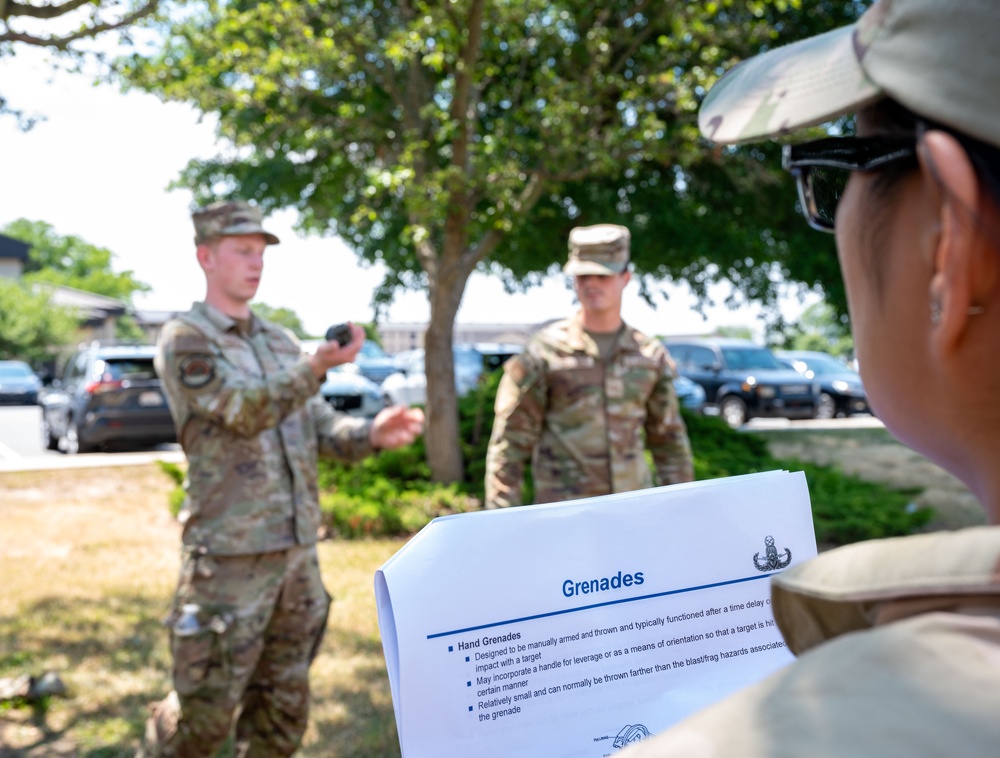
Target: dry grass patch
89 561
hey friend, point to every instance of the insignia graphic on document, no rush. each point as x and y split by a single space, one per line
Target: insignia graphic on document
631 733
772 558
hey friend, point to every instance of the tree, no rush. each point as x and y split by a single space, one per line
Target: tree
95 17
285 317
736 332
31 329
371 332
821 327
438 138
70 261
60 26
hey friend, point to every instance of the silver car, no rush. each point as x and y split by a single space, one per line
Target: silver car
19 385
408 386
351 393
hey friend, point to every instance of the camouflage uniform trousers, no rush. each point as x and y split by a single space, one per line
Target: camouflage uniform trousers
261 620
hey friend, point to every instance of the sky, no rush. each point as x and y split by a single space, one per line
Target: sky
99 164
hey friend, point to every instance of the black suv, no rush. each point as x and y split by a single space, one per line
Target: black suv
106 395
743 379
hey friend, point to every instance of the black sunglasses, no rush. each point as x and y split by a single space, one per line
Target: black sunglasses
822 168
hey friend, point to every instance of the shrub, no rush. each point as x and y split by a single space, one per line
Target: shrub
397 513
848 509
390 494
178 494
845 508
719 451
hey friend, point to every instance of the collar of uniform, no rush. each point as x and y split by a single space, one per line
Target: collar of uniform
870 583
223 321
578 339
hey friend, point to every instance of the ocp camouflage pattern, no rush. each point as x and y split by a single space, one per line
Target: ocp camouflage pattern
251 421
256 624
764 96
582 423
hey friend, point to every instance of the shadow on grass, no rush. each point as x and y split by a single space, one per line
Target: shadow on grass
111 654
350 643
365 726
122 631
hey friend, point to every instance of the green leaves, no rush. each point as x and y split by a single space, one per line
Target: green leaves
438 137
385 121
30 326
71 262
285 317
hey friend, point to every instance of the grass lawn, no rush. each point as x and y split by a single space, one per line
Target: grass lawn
89 561
875 456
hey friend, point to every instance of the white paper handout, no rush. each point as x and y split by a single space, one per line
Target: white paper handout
577 628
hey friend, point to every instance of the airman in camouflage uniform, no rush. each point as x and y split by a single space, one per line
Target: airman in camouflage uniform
250 608
897 641
578 400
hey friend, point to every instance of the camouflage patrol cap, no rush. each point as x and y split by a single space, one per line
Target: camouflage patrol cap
938 58
602 249
228 218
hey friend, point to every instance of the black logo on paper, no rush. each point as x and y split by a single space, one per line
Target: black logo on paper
772 559
630 734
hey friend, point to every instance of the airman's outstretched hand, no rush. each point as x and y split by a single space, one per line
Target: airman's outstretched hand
396 426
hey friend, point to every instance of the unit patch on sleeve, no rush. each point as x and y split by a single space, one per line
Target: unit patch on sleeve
196 371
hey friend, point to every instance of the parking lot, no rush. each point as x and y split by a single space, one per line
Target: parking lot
21 446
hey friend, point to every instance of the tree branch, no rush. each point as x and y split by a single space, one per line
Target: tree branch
530 195
426 253
42 11
463 85
378 76
61 43
636 40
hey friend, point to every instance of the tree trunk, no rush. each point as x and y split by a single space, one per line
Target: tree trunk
444 454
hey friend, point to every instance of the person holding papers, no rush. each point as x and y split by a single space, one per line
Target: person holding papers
898 640
578 401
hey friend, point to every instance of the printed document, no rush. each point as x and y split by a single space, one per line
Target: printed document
578 628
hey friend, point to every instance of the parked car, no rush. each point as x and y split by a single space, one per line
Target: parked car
352 394
374 364
105 396
496 354
841 389
19 385
743 380
408 386
689 394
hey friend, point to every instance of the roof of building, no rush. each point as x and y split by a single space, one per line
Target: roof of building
12 248
92 308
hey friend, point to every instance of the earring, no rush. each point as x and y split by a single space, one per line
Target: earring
973 310
935 312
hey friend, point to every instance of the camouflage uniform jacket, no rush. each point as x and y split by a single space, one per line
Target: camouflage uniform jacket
251 422
898 656
581 421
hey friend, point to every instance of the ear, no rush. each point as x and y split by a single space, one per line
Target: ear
204 254
955 245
